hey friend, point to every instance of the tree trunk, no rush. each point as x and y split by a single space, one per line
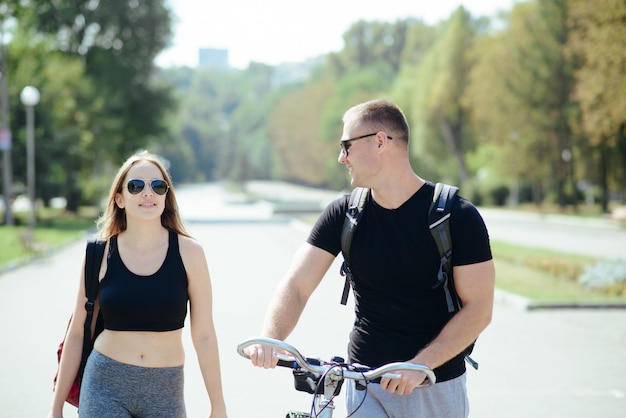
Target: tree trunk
454 146
621 145
604 168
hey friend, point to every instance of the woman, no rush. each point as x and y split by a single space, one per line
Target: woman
152 269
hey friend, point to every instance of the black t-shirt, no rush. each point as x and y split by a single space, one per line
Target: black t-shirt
395 261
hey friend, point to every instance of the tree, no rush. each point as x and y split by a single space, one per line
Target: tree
116 43
63 132
434 88
222 122
503 120
598 36
529 110
420 38
368 44
302 151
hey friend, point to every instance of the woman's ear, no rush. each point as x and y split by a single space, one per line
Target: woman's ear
119 200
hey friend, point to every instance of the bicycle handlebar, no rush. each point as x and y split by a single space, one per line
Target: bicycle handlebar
356 372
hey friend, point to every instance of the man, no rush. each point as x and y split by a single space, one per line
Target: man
394 261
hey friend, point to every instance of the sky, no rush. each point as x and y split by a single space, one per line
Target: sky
282 31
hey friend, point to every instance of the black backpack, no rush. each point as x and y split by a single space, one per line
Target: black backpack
439 225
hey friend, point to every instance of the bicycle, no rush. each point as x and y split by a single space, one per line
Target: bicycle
323 379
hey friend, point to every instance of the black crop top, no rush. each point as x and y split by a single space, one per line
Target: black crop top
158 302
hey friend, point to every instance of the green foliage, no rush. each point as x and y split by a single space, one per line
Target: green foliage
492 105
598 41
433 88
54 228
221 124
357 86
299 144
520 96
488 108
62 118
369 44
93 64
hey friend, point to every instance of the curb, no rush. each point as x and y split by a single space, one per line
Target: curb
504 298
576 305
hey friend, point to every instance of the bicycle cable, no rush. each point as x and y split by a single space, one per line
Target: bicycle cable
320 384
364 396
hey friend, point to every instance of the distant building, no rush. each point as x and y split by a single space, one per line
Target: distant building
213 58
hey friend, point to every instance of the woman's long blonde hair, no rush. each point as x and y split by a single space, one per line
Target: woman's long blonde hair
113 220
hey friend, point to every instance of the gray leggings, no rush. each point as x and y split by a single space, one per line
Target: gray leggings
116 390
443 400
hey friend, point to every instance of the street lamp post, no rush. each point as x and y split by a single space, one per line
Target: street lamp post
30 98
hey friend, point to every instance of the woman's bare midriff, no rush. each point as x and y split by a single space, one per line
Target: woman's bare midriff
142 348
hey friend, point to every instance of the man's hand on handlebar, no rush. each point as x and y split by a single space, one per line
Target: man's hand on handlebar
262 356
408 381
268 353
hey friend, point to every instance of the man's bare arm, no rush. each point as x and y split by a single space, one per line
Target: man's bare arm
474 284
308 267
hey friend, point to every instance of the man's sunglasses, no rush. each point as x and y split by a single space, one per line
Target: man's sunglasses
158 186
347 143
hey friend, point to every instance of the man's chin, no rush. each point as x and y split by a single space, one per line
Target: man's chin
355 183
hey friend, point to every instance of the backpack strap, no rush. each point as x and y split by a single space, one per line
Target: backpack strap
356 203
439 225
93 260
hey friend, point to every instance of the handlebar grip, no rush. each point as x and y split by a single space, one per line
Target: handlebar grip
290 364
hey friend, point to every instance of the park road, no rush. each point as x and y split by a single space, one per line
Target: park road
553 364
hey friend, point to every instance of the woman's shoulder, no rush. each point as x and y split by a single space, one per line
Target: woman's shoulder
192 254
189 246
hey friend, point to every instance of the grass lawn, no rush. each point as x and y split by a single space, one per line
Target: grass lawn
544 276
54 228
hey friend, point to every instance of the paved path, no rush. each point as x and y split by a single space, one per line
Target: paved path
600 238
552 364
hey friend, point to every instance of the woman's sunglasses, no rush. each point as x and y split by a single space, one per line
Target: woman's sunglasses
158 186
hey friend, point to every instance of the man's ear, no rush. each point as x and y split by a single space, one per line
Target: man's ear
380 139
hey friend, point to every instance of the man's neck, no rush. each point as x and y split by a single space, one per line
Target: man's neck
394 193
